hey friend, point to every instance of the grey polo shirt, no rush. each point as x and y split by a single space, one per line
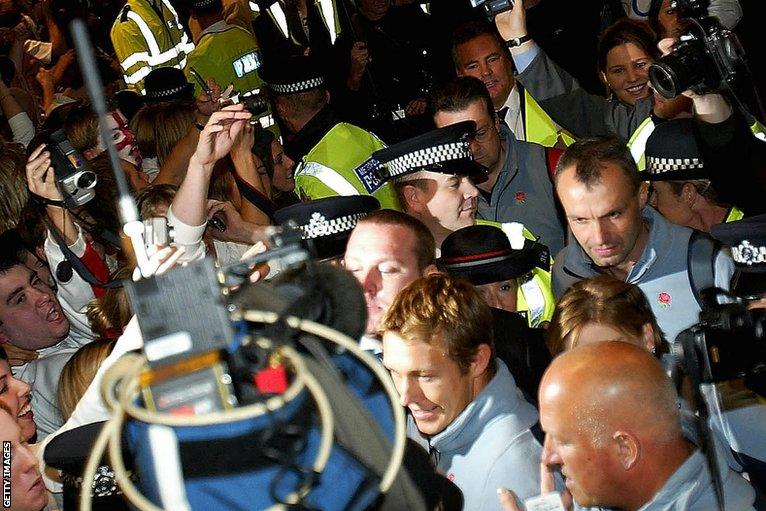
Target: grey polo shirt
524 192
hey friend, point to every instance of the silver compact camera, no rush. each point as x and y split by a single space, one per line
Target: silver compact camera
74 178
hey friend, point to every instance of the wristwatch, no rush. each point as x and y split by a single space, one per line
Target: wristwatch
518 41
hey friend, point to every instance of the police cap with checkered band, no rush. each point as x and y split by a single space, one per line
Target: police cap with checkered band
69 453
292 75
326 224
747 239
672 153
443 150
167 84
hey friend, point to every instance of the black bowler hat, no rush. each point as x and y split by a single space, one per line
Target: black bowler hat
482 254
167 84
672 153
69 452
443 150
292 75
327 223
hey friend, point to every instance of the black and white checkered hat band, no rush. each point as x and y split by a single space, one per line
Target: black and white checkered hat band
319 226
289 88
662 165
748 254
166 92
429 156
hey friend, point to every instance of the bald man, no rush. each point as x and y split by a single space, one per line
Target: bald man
612 427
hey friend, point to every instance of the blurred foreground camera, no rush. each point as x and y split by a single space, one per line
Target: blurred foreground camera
729 342
74 178
493 7
706 58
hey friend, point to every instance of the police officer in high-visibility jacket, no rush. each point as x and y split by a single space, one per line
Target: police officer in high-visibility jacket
301 27
679 178
147 35
434 176
510 272
334 157
228 53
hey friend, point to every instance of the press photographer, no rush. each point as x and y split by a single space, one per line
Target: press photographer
388 61
724 355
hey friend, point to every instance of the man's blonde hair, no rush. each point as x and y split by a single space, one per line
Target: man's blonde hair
445 307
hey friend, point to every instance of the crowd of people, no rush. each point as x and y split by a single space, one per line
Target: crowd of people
530 223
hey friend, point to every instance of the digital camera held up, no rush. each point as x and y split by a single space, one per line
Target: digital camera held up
74 178
493 7
707 57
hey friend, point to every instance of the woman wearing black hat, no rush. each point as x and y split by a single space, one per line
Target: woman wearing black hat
509 278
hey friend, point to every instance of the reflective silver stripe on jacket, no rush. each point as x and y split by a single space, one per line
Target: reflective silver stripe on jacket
330 177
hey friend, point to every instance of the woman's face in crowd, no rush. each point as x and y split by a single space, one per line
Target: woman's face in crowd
27 491
16 394
627 73
282 178
263 174
500 295
668 20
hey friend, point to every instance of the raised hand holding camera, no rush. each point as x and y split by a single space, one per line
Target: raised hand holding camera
706 58
512 26
40 175
493 7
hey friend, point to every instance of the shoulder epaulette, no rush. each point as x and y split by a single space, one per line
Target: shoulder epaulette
124 13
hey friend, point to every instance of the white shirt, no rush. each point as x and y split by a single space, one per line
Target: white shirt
513 118
43 375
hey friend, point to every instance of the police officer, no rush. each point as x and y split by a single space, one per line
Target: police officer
334 156
747 239
679 177
69 451
147 35
326 224
434 176
228 53
301 27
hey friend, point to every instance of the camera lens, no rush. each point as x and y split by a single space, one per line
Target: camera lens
86 179
663 80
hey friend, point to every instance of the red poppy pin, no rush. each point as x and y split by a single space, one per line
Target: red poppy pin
521 197
664 299
451 476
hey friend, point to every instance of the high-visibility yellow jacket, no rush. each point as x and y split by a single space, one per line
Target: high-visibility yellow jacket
147 35
328 168
535 294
